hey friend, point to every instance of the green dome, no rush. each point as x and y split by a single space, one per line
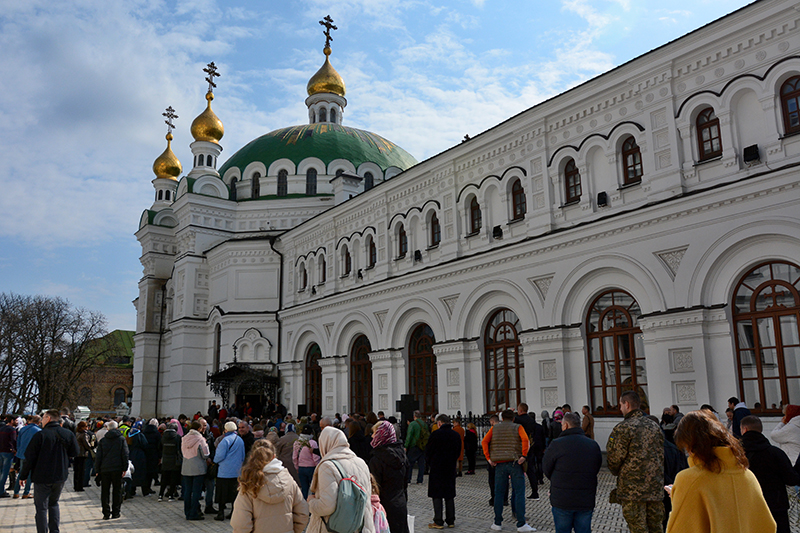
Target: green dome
324 141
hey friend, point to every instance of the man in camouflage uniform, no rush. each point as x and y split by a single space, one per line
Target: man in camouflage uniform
636 456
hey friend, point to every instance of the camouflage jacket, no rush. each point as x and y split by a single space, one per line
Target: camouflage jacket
636 456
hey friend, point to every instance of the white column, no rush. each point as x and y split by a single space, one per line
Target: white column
388 379
334 384
459 377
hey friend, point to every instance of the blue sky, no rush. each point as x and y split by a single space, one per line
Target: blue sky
84 84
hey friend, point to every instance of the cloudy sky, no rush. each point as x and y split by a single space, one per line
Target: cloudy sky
84 83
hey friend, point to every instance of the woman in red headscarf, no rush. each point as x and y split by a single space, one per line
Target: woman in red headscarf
787 433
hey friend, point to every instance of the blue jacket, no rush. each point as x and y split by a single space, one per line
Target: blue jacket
24 436
229 456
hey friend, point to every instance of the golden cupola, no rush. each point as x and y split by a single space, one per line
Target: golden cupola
167 165
207 126
326 80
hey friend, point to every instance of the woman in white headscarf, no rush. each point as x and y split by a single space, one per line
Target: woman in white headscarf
325 485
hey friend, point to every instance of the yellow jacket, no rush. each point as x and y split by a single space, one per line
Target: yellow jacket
728 502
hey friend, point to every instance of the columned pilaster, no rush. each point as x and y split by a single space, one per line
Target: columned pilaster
545 377
389 379
292 382
334 384
459 377
681 350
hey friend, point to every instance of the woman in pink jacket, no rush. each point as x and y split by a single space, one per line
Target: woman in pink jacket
305 457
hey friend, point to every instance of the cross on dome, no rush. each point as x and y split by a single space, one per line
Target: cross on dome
211 70
170 114
328 23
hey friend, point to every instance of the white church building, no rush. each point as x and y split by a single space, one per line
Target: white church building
640 231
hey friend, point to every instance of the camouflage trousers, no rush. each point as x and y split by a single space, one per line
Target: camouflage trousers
644 517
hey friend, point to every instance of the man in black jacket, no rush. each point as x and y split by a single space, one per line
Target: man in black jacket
535 434
441 453
47 461
772 468
110 462
571 463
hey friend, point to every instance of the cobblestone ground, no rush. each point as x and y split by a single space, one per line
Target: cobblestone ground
80 511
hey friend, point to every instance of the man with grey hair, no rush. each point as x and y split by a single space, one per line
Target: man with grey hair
571 463
110 462
442 453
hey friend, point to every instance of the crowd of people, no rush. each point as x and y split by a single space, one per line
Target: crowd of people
280 473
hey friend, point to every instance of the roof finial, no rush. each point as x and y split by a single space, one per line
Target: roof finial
170 114
328 23
211 70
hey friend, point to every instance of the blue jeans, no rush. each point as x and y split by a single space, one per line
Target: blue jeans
6 458
192 488
45 501
566 520
306 475
88 471
502 472
416 456
16 483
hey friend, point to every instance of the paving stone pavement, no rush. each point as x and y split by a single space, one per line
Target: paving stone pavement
80 511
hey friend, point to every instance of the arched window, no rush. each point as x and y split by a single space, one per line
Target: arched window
217 347
422 369
311 181
333 115
323 271
372 252
283 178
766 313
346 263
505 376
369 181
313 116
209 161
360 376
85 397
436 231
616 351
709 140
314 380
475 218
303 274
790 103
160 194
166 195
518 200
234 181
323 115
402 242
572 180
631 161
119 396
255 185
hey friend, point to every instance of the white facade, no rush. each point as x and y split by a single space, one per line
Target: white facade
678 241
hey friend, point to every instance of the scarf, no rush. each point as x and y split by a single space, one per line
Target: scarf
180 427
191 442
382 434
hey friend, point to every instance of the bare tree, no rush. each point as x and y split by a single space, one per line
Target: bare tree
46 345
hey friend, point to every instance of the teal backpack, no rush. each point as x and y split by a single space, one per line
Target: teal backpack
351 500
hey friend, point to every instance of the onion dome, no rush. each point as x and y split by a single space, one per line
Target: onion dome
167 165
326 80
207 126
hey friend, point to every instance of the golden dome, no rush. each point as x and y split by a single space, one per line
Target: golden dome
167 165
207 126
326 80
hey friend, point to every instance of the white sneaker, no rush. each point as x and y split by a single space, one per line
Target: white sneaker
495 527
526 529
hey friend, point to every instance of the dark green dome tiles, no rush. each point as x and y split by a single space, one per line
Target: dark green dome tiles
325 141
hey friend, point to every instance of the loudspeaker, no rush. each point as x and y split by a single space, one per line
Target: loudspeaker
497 232
602 199
750 154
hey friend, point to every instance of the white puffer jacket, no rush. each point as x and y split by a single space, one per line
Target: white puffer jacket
788 437
325 485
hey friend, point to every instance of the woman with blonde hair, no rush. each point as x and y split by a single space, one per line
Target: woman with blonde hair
716 477
269 500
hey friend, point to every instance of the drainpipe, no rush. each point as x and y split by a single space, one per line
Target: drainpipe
160 337
280 302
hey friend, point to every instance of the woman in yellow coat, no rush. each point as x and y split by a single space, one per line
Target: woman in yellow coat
717 493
